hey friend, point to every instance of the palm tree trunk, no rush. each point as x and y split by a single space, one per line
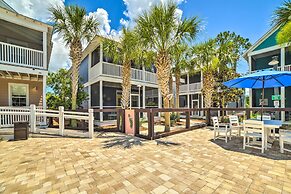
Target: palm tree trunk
171 91
126 86
75 55
163 73
208 88
177 78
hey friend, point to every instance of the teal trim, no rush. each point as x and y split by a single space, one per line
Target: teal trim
269 42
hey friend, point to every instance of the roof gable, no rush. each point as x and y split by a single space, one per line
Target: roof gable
269 41
266 41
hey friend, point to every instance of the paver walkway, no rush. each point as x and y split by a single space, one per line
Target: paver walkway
189 162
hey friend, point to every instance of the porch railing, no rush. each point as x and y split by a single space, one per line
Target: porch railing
22 56
286 68
194 87
136 74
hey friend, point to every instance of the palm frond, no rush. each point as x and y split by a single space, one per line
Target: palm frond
282 14
73 23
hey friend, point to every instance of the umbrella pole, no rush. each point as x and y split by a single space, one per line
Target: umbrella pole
263 98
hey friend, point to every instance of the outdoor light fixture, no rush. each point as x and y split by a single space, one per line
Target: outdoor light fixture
274 61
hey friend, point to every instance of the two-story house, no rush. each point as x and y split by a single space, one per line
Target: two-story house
102 80
101 77
190 92
25 48
267 53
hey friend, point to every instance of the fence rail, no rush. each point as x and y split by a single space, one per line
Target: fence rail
9 115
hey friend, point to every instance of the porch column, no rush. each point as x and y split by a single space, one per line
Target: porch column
283 63
159 100
250 90
101 98
44 91
44 96
44 49
202 99
188 88
188 100
101 59
89 96
143 97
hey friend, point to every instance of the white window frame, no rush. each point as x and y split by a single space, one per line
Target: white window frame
10 93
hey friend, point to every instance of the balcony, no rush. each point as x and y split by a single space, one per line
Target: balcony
194 87
20 56
115 70
286 68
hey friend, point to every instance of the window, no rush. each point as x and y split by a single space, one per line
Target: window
18 94
95 56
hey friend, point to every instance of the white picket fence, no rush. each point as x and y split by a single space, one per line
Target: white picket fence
35 116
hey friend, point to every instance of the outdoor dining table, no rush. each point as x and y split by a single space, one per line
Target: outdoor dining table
268 126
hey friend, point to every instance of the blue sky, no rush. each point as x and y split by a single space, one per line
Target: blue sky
249 18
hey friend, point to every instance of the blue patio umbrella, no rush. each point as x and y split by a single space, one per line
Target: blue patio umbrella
261 80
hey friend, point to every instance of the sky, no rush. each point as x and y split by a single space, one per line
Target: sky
248 18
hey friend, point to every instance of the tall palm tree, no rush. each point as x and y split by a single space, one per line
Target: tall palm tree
160 29
75 27
181 63
205 60
282 16
124 51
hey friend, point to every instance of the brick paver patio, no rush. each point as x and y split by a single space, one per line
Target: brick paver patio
189 162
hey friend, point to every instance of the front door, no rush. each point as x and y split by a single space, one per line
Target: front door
134 101
195 104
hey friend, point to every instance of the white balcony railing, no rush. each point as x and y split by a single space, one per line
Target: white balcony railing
136 74
22 56
286 68
194 87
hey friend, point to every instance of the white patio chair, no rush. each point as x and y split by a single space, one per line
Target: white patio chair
267 118
252 130
234 124
284 138
221 128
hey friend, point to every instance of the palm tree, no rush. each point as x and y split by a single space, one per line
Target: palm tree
75 27
181 63
282 16
159 30
124 51
205 60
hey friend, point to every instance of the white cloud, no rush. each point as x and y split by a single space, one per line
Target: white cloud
101 15
60 54
136 7
37 9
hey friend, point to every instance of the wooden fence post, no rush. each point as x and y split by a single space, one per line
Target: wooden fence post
208 116
137 118
91 123
248 113
188 120
123 121
61 120
33 118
